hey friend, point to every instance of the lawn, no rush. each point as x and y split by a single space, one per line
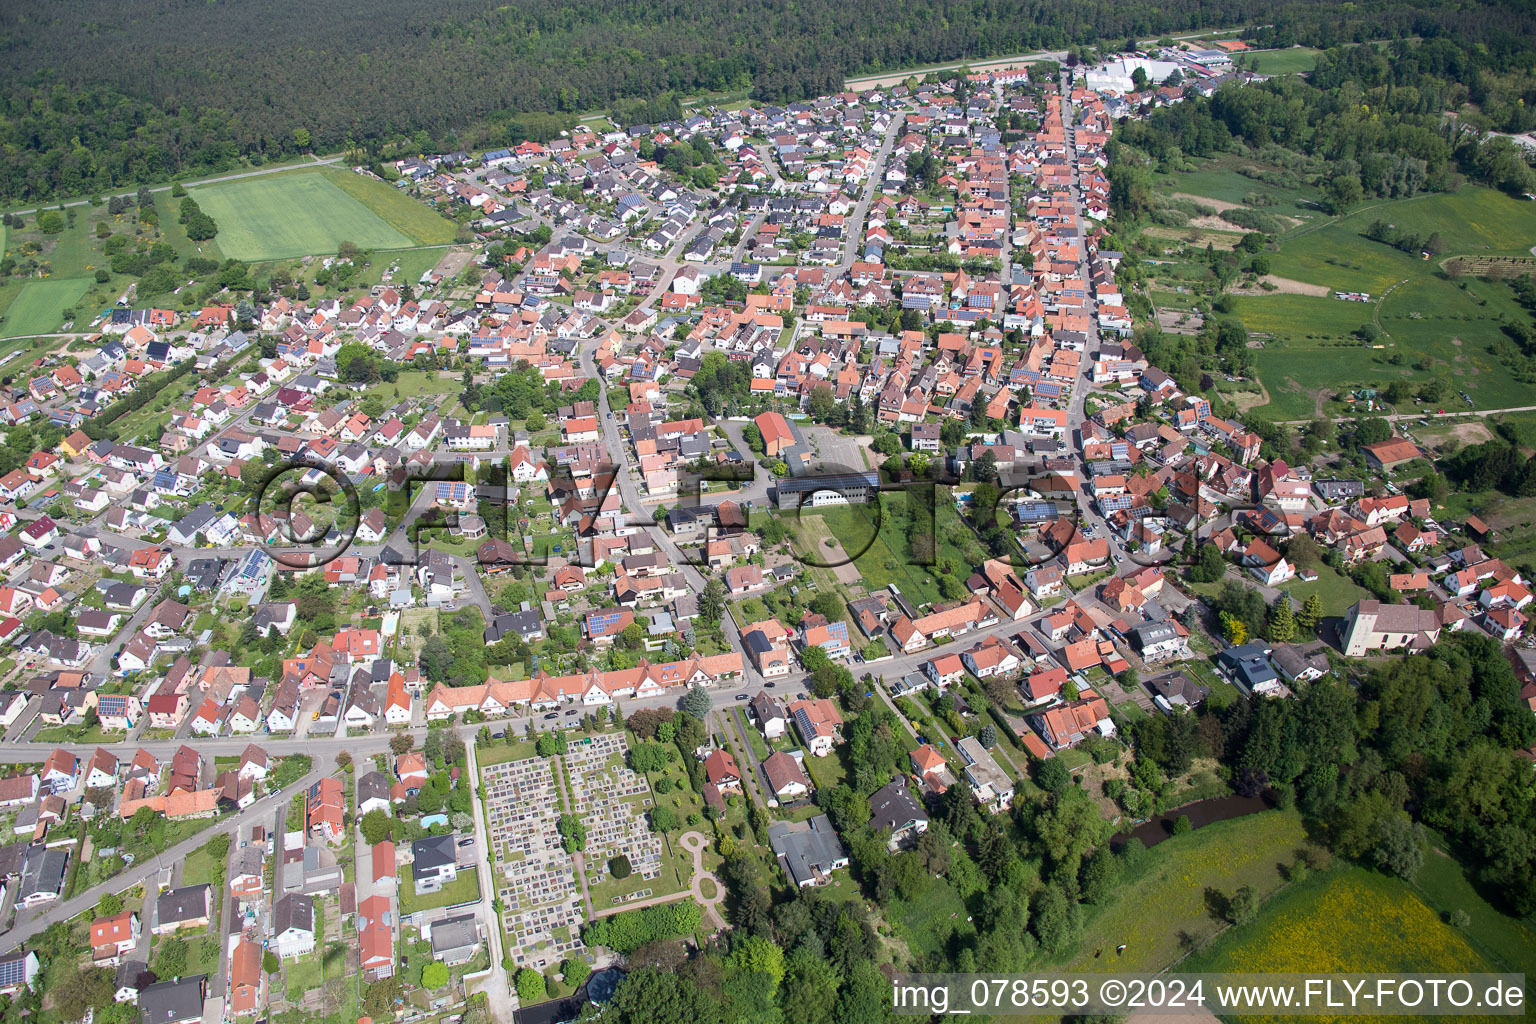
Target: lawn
1337 592
413 383
302 974
463 889
294 215
1163 906
1346 919
198 867
828 771
498 751
40 306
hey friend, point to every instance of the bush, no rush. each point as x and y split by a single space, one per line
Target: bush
619 867
530 985
1182 826
434 975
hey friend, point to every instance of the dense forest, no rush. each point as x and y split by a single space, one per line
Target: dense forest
99 95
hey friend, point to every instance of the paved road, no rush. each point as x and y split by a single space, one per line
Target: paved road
1077 413
1396 416
875 81
30 923
634 503
853 246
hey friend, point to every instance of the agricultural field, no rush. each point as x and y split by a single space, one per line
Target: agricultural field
1158 911
1348 918
311 212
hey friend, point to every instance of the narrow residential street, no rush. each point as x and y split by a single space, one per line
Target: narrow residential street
494 982
29 923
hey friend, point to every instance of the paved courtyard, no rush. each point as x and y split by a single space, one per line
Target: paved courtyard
536 878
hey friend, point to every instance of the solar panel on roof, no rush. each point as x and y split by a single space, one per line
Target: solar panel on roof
13 969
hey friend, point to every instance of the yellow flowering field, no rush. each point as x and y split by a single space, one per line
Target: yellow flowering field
1348 919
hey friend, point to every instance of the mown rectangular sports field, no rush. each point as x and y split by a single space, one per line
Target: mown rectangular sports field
307 214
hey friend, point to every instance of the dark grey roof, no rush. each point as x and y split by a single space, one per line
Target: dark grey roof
455 933
44 872
171 1002
295 910
807 849
523 624
1178 688
374 785
185 904
432 852
892 807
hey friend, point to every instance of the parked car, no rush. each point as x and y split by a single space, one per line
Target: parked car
551 715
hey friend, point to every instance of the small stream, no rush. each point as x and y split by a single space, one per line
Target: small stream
1200 814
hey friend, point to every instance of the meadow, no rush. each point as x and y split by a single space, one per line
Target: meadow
1222 178
57 272
884 557
1161 909
1432 326
311 213
39 306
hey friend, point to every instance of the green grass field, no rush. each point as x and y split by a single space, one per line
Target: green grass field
1281 62
885 557
395 208
301 214
1154 913
412 383
1336 591
1222 178
1345 919
40 306
1507 941
933 921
